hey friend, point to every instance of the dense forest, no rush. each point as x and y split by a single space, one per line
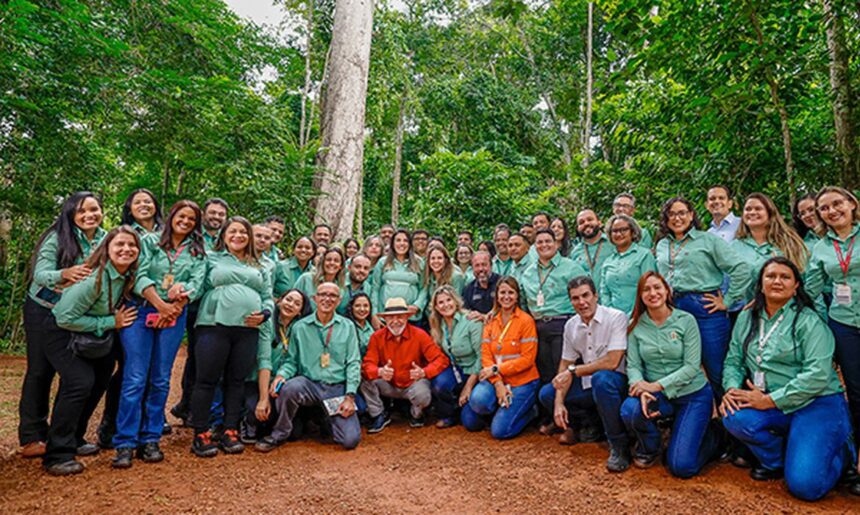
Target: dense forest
477 112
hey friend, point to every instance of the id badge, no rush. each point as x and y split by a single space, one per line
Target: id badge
758 380
325 359
842 294
167 282
540 299
586 382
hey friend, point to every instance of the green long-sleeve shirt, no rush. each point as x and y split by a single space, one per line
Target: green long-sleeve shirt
754 255
233 290
84 309
619 277
307 345
458 282
306 285
398 281
46 274
289 271
824 268
670 354
154 265
593 256
462 344
364 334
797 368
700 259
266 330
518 269
502 267
555 277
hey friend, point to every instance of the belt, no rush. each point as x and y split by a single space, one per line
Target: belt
683 293
546 320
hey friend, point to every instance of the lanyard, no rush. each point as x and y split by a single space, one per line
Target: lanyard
502 336
176 255
762 338
327 338
591 262
673 255
284 340
844 261
542 279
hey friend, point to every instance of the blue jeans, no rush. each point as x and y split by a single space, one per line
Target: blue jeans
149 355
848 357
506 422
446 392
607 393
715 330
812 444
693 441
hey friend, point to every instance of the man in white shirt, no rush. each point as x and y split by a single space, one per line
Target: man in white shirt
591 381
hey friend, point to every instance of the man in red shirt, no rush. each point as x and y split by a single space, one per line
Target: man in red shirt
401 360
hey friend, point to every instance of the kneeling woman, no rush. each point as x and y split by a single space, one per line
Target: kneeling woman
231 311
88 310
172 269
460 339
664 359
783 397
509 379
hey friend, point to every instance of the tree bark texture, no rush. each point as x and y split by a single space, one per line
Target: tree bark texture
840 85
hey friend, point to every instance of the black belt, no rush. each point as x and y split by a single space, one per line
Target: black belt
553 319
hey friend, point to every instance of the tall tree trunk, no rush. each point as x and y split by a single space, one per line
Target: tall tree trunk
589 84
840 85
359 208
398 162
165 184
342 119
773 86
306 91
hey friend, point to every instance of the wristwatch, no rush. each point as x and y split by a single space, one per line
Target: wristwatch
495 369
572 370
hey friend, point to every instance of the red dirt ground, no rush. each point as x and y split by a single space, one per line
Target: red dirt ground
398 471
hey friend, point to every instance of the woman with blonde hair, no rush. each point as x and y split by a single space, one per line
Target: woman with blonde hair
460 339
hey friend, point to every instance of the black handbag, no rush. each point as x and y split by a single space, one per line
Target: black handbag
90 346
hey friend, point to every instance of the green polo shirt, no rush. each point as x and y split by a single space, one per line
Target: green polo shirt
46 274
824 268
593 255
234 290
700 260
155 265
754 255
289 272
209 240
462 344
458 282
555 276
619 277
84 309
670 354
501 267
364 334
797 368
398 281
517 269
143 231
307 345
647 240
306 285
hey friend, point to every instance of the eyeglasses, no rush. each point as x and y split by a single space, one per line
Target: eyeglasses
678 214
622 205
620 230
328 295
836 205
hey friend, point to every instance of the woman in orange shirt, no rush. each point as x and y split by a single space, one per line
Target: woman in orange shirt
509 379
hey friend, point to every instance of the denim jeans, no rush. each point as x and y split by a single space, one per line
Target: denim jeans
301 391
693 440
149 355
607 393
812 444
446 392
506 422
715 330
848 357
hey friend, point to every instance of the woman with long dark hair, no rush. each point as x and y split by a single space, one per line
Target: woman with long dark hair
231 312
330 270
694 262
562 235
806 221
292 268
142 212
783 398
56 264
90 310
664 357
171 274
400 274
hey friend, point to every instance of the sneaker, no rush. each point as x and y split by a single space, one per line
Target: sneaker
619 458
645 461
87 449
763 474
33 450
65 468
590 434
123 457
230 443
166 429
568 437
247 433
181 413
203 446
445 423
267 444
150 453
378 423
416 422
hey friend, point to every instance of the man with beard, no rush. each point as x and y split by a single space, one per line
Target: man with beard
322 234
420 241
359 270
401 360
276 224
594 247
214 215
479 294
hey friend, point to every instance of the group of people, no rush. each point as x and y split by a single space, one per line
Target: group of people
726 337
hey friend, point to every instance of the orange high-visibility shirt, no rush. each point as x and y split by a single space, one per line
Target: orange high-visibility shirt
511 346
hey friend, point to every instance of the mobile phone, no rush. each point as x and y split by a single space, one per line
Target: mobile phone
653 407
279 386
151 320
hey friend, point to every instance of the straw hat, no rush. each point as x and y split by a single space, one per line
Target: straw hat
397 306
